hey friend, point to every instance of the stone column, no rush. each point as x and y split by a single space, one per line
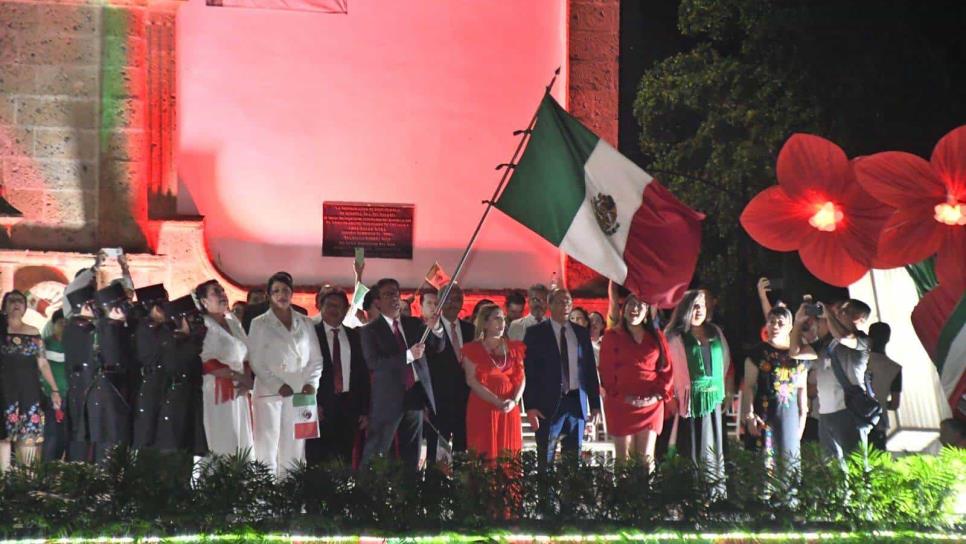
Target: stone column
162 183
137 121
594 34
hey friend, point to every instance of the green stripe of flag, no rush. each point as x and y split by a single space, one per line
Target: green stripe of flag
358 294
950 331
547 186
923 275
303 400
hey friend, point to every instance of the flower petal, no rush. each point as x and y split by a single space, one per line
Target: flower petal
908 237
775 221
951 260
897 178
814 169
862 226
949 160
825 256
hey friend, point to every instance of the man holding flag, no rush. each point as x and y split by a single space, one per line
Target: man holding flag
580 194
449 381
394 349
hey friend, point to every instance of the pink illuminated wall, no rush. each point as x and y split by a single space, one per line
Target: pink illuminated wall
398 101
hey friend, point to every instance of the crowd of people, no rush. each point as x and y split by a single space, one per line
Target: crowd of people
125 366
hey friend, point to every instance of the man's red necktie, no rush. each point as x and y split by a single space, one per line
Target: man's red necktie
336 361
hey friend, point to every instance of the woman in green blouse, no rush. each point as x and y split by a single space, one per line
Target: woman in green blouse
701 360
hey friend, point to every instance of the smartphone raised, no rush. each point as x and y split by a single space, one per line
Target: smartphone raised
814 310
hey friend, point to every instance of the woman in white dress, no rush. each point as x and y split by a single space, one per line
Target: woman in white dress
227 409
285 355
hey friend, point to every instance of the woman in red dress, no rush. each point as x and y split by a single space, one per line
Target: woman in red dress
635 371
494 373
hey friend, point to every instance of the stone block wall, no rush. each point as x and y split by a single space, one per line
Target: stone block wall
49 94
87 122
82 131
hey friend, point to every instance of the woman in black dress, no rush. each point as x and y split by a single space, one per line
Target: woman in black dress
774 402
22 363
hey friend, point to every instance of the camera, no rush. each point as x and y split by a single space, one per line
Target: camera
814 310
111 297
182 307
151 295
77 298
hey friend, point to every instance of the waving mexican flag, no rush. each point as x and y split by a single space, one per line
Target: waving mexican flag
940 322
581 195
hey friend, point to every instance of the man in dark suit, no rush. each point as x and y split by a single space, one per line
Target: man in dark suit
343 394
562 386
401 384
449 380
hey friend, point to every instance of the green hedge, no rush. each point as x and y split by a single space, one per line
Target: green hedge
147 493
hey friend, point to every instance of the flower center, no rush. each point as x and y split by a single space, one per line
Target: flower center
826 217
951 213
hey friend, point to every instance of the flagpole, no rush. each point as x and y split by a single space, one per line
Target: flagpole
507 168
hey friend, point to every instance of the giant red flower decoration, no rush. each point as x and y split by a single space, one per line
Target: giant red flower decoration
930 207
819 210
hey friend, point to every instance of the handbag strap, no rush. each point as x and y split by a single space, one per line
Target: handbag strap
837 366
865 386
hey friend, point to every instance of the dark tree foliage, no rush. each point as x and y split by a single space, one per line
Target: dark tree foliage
868 75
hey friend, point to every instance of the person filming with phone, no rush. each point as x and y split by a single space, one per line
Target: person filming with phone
846 411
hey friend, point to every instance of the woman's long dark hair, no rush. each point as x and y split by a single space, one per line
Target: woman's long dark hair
681 318
583 311
6 297
648 323
201 292
650 326
3 309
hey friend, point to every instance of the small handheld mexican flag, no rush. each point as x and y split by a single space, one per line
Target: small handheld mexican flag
358 295
581 195
436 276
306 417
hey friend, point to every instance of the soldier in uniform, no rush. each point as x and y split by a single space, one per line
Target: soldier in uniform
180 417
150 390
107 405
78 342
